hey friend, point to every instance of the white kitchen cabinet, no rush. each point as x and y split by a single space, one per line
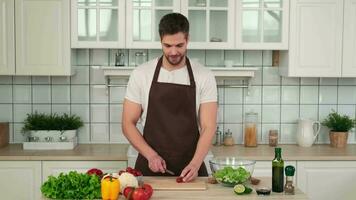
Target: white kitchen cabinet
327 180
211 23
7 37
262 24
142 21
20 180
349 44
98 24
56 167
315 39
42 37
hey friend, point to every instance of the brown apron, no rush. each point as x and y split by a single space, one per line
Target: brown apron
171 127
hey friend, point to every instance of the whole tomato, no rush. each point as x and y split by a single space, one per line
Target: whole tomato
148 190
127 191
139 194
142 193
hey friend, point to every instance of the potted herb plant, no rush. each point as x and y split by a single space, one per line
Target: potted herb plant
51 127
339 126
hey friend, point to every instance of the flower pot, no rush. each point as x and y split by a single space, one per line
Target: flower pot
53 135
338 139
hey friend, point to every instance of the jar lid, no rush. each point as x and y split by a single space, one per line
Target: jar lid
290 170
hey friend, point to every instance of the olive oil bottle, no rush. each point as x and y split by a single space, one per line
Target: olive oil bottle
277 171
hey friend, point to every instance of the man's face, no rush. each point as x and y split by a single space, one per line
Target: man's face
174 47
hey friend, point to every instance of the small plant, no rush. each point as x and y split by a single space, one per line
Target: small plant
40 121
339 123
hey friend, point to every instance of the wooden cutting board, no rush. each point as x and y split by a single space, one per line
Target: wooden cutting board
169 183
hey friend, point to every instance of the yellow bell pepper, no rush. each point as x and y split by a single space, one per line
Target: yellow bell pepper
110 188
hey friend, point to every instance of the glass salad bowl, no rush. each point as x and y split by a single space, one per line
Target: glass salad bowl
230 171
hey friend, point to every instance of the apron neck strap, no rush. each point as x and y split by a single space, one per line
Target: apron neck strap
187 62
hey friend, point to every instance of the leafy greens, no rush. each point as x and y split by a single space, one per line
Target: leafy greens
232 176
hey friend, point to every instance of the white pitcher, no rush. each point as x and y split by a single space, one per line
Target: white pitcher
306 133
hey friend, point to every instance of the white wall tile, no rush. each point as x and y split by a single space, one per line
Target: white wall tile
236 56
99 57
220 117
271 76
324 111
21 111
328 95
290 113
98 94
99 113
41 80
22 93
347 95
267 57
328 81
117 94
82 57
237 132
60 80
19 137
84 134
323 137
5 79
97 75
290 95
81 76
233 113
265 132
5 112
254 96
309 112
197 55
271 94
253 108
309 95
99 133
116 113
60 94
61 108
309 81
347 81
5 93
41 94
290 81
289 133
42 108
22 80
116 135
221 92
79 93
257 79
81 110
348 110
214 58
253 58
271 114
233 95
154 53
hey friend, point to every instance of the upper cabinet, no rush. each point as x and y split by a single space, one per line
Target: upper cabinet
349 48
316 39
98 23
7 37
143 17
211 23
262 24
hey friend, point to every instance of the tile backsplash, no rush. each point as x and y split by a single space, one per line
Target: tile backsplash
279 101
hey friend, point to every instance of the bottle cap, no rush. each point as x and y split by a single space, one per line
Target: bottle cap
290 170
277 150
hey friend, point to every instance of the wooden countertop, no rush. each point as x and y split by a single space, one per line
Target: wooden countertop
119 152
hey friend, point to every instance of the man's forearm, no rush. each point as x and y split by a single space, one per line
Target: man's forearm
134 136
203 145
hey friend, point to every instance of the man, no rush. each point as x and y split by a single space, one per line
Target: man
170 96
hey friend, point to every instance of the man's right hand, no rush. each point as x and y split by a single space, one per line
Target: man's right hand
157 164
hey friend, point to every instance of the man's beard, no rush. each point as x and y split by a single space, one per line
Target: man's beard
176 61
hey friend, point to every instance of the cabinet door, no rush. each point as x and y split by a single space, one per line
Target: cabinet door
56 167
143 18
7 40
98 24
349 51
262 24
327 180
20 180
42 37
315 46
211 23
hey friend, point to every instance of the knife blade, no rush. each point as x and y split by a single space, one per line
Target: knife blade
169 172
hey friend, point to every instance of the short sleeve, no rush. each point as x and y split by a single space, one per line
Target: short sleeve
134 88
209 89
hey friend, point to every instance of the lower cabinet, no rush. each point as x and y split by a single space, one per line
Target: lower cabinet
327 180
20 180
56 167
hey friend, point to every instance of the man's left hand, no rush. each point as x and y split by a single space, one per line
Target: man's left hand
189 173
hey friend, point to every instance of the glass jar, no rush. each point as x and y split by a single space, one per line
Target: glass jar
250 136
140 58
119 59
273 138
228 139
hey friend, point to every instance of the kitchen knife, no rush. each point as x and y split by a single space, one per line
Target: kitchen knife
169 172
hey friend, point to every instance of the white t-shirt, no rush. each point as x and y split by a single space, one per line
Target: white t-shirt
140 81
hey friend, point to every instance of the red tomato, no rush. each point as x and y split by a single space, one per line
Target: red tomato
179 179
148 190
95 171
127 191
139 194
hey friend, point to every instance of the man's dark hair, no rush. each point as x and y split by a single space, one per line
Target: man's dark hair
173 23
